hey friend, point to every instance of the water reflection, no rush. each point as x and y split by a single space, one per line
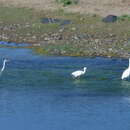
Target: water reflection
127 99
125 83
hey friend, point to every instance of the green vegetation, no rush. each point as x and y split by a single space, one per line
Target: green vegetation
124 17
67 2
16 15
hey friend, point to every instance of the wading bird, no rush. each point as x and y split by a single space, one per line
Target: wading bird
78 73
126 73
3 67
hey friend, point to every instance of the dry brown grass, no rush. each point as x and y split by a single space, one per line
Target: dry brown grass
101 7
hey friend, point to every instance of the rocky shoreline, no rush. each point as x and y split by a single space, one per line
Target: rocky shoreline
77 44
82 36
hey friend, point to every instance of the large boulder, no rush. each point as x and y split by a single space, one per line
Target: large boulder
110 19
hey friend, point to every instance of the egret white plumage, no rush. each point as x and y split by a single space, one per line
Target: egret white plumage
78 73
3 67
126 73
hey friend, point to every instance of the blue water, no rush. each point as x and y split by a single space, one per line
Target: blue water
38 93
13 44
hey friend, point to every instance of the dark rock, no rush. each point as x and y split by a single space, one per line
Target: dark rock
110 19
58 21
65 22
60 37
49 20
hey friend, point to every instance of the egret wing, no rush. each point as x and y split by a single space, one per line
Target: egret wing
76 73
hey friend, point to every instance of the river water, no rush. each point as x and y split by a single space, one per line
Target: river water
38 93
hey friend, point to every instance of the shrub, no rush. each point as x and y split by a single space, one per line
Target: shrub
67 2
124 17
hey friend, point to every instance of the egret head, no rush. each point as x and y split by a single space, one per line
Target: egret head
6 60
85 68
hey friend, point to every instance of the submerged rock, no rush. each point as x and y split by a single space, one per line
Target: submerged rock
110 19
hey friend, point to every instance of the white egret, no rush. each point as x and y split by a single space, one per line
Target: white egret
126 73
78 73
3 67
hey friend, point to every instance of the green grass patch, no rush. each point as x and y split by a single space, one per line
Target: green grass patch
16 15
124 17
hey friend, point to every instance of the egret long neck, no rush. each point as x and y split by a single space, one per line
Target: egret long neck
129 62
84 70
3 66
